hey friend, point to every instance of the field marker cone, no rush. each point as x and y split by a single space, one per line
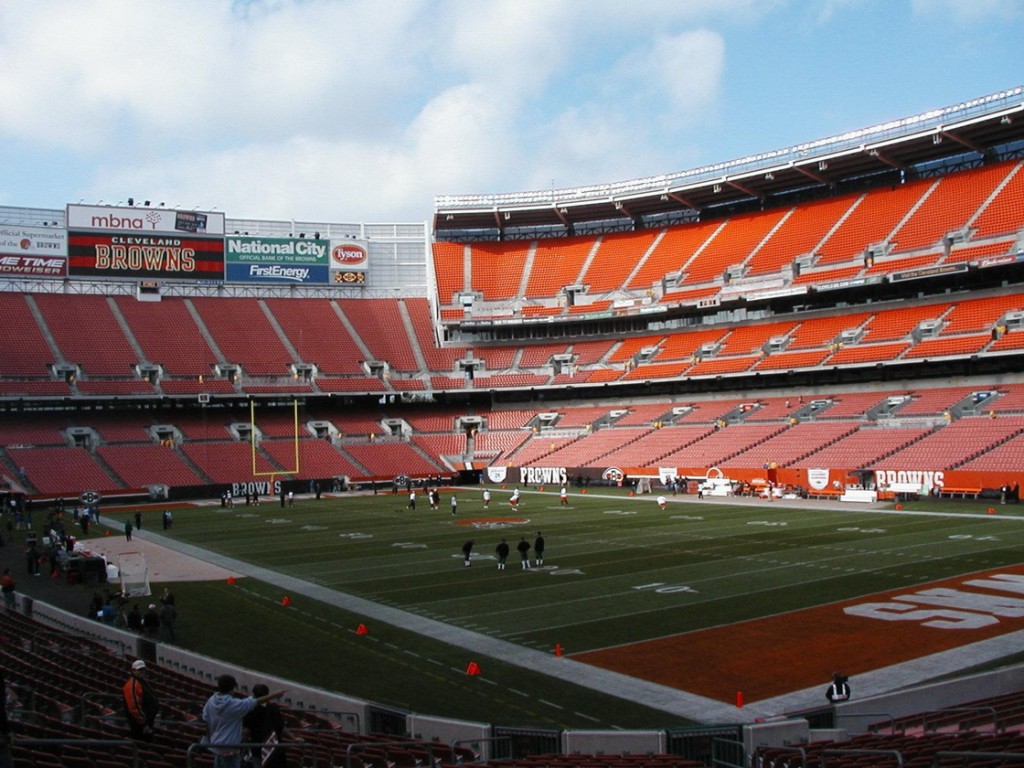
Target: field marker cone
231 580
739 699
362 630
558 649
899 507
106 533
286 601
584 490
991 510
473 668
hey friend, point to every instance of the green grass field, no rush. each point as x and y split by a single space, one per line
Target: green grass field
617 570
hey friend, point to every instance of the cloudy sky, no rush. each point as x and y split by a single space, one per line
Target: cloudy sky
365 110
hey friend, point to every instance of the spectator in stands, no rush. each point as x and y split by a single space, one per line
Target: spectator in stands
6 737
265 724
151 621
32 558
502 551
523 548
538 549
135 618
141 704
168 616
223 713
839 690
467 550
7 587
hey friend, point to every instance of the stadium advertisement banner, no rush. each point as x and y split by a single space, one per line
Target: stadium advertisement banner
145 257
350 255
277 260
33 251
93 218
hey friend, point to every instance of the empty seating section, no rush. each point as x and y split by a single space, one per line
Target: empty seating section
537 355
142 465
495 446
35 389
511 380
497 269
1010 341
498 358
720 445
591 352
798 235
849 405
691 296
773 409
557 263
671 252
889 266
822 331
649 448
1006 457
955 443
227 462
32 431
645 415
317 458
244 335
168 335
65 471
933 402
437 358
785 361
25 350
105 387
588 450
897 322
795 443
824 276
1010 398
449 271
379 325
656 371
968 253
616 257
872 220
630 347
350 424
867 353
87 334
536 448
862 448
683 346
730 246
114 428
745 339
318 335
979 314
389 459
952 203
438 419
1004 213
949 345
450 447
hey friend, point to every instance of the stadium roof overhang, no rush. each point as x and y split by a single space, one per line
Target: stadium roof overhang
974 127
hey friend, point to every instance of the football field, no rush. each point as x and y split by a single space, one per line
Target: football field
674 596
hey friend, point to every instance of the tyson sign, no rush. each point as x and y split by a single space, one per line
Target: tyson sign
349 255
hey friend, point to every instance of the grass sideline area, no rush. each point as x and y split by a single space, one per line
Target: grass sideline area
618 570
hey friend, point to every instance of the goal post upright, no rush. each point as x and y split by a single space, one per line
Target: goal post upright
295 442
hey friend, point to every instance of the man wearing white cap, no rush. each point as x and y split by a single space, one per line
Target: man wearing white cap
140 703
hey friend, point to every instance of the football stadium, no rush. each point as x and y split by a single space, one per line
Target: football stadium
719 467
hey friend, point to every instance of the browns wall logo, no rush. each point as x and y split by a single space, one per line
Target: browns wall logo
348 256
614 474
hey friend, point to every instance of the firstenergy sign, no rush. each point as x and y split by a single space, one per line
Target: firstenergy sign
277 260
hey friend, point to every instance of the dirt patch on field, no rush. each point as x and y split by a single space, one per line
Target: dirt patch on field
162 564
773 656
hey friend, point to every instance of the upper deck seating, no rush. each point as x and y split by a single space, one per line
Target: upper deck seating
798 235
88 334
379 325
497 269
731 245
671 252
168 335
557 263
1004 213
953 201
873 218
616 257
244 335
318 334
25 349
